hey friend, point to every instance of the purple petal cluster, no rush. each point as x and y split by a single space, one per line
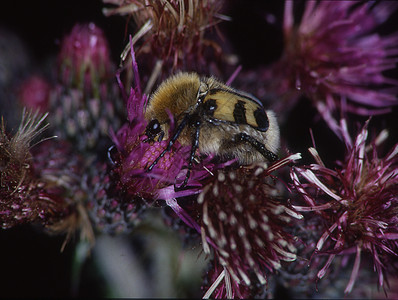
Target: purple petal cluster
335 56
85 103
134 155
84 58
357 202
244 220
172 34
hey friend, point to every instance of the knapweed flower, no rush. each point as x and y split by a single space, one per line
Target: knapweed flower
86 103
173 32
334 54
121 192
357 201
243 218
133 154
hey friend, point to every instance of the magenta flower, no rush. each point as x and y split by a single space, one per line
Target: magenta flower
112 210
86 103
133 154
219 285
40 182
172 34
242 218
84 59
358 203
121 193
334 54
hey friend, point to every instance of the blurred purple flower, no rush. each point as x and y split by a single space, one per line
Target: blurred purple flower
84 59
334 54
85 103
357 201
34 93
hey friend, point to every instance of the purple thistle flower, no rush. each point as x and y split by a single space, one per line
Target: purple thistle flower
84 59
357 201
127 189
112 210
335 54
242 219
219 284
172 33
86 102
40 182
134 154
18 184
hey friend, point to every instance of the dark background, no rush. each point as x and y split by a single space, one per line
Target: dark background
41 24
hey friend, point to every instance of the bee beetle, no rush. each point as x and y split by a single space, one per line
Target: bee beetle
211 117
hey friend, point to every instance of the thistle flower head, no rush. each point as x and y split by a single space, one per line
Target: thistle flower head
219 285
84 59
59 169
111 209
85 104
22 196
173 30
15 151
357 201
134 155
40 182
244 221
335 53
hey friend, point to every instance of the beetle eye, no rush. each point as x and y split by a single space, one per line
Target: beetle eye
153 129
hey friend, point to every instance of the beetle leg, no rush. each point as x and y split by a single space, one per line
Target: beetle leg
243 137
175 136
195 146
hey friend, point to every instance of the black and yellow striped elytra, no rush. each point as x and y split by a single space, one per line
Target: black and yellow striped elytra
236 108
213 118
